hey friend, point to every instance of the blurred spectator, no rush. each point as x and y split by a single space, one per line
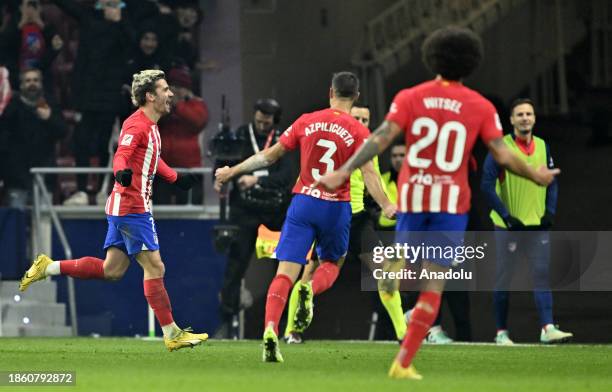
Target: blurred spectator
189 16
28 42
5 88
30 126
105 39
148 54
159 14
5 98
180 132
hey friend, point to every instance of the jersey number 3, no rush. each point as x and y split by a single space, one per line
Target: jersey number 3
326 158
443 136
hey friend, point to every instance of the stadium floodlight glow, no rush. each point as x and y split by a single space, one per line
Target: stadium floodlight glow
26 320
17 298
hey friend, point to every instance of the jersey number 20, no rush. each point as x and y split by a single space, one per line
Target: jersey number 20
331 148
443 136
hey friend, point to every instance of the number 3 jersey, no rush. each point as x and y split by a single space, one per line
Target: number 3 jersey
441 121
327 139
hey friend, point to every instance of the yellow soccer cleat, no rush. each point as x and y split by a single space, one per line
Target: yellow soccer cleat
36 271
399 372
271 352
185 338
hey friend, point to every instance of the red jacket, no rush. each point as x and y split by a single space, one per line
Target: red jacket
179 133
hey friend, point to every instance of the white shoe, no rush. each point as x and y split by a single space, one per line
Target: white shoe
78 199
552 334
503 338
437 335
294 338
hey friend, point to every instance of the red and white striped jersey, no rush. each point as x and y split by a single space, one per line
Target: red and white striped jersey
140 150
327 139
441 121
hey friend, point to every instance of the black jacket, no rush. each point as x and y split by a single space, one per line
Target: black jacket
103 50
27 141
282 174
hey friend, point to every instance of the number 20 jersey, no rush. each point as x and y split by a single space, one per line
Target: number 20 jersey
327 139
441 121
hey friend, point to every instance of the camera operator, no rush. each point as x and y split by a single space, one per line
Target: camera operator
261 197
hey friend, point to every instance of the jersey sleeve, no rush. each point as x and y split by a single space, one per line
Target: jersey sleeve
491 171
166 172
399 109
129 140
290 138
491 127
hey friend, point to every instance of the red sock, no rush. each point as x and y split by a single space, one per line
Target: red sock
83 268
324 277
420 322
276 299
158 300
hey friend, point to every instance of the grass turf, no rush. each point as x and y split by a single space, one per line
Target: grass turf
317 366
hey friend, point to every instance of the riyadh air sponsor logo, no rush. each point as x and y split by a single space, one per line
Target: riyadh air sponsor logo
423 178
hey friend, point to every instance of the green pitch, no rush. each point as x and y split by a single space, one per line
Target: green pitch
317 366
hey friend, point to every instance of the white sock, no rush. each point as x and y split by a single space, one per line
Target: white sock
53 269
170 330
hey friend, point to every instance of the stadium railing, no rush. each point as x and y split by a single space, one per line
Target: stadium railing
44 209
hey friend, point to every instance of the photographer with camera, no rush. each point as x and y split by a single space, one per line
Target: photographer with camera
257 198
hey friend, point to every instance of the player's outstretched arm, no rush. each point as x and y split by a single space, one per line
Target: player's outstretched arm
260 160
377 143
505 157
374 185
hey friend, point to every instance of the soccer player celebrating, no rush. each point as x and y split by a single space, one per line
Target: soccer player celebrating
131 228
441 120
326 138
362 239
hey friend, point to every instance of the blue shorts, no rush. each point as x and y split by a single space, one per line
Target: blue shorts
431 229
131 233
309 219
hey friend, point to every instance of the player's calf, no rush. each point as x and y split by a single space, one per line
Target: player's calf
44 266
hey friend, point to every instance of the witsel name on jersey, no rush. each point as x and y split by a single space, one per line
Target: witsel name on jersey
442 103
333 128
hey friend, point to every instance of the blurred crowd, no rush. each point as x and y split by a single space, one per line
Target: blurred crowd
65 75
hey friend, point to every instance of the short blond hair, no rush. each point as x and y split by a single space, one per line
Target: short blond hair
144 82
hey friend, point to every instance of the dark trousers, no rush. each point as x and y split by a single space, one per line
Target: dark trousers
90 140
534 245
240 254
